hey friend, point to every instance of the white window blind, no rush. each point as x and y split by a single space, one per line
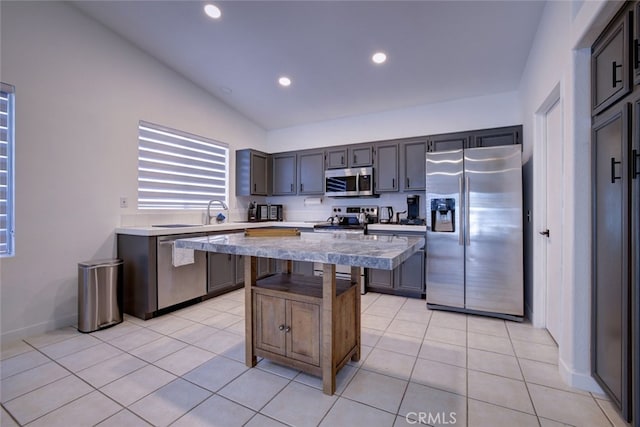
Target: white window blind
178 170
7 93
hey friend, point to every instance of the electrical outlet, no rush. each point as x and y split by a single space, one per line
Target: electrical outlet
124 202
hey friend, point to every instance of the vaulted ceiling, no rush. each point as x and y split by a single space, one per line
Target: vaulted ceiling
436 51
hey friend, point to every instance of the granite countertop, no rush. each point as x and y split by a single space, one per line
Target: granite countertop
239 226
382 252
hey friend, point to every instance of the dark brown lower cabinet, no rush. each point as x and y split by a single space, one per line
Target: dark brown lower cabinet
635 257
611 291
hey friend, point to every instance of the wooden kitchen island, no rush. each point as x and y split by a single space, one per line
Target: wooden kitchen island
307 322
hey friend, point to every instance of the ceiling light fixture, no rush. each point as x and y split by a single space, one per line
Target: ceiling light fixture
284 81
379 57
212 11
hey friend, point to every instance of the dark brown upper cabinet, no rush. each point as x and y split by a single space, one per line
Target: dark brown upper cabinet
413 156
635 54
387 164
360 155
336 158
495 137
284 174
610 64
449 141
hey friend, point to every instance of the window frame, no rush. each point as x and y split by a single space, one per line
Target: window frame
9 230
199 201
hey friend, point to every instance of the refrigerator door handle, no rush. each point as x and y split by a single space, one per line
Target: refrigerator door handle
460 229
467 205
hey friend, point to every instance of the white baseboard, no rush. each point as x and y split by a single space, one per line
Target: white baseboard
583 381
8 337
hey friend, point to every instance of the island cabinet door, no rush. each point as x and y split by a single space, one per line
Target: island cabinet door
270 323
303 332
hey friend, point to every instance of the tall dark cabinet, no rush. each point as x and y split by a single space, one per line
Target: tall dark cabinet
611 292
615 141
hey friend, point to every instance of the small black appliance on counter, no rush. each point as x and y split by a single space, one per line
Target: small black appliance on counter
251 216
413 212
265 212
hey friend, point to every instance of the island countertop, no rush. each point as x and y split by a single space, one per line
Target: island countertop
369 251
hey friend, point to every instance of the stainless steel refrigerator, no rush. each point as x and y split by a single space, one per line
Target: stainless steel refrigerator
474 231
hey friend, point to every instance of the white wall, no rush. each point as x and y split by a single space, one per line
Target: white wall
490 111
80 91
502 109
560 58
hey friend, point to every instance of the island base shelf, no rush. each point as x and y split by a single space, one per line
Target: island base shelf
309 323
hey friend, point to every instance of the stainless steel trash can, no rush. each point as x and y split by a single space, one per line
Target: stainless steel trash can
99 294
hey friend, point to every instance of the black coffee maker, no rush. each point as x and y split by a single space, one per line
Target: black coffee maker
413 211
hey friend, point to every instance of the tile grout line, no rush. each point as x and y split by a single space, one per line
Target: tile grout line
71 401
524 379
357 368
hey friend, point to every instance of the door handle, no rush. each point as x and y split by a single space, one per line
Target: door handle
635 159
614 73
613 170
467 228
460 229
636 59
544 233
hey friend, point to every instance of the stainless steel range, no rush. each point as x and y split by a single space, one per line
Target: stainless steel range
347 219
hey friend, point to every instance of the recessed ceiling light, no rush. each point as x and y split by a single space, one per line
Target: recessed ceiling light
212 11
379 57
284 81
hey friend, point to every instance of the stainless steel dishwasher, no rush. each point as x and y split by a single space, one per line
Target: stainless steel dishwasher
179 284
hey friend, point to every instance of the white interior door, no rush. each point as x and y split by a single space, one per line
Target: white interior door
554 214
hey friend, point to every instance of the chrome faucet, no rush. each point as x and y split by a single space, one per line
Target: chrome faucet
211 202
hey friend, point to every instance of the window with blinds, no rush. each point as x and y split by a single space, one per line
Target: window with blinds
7 93
178 170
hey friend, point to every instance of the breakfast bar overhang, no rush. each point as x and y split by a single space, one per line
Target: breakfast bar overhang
307 322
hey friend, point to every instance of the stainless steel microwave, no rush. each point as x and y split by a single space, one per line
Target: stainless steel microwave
350 182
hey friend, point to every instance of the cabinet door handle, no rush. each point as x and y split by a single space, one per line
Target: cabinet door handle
287 329
254 186
301 187
408 183
636 62
342 160
393 183
281 327
544 233
354 158
614 73
613 170
292 188
635 159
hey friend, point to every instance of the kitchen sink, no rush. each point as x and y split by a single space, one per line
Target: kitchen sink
176 225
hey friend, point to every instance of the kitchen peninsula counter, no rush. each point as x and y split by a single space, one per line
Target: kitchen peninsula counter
310 323
159 230
357 250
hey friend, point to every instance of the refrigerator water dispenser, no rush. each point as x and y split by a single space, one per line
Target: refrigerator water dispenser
443 215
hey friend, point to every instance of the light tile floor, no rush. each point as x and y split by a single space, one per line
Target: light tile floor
187 369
